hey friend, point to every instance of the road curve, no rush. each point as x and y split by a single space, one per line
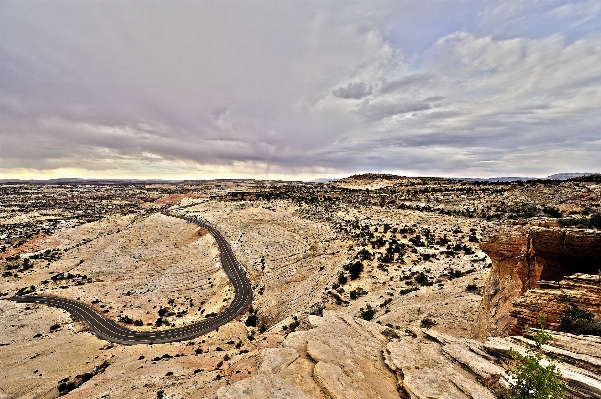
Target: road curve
111 331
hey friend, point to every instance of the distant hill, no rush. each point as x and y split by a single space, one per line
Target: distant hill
593 177
567 176
87 181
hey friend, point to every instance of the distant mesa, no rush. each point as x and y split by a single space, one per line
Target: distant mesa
586 176
556 176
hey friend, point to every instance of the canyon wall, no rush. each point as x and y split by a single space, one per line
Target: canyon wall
528 264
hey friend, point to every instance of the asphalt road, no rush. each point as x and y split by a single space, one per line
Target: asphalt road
112 331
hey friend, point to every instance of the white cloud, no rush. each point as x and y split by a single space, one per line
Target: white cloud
218 85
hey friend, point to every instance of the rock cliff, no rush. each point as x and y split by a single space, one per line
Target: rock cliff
551 298
521 259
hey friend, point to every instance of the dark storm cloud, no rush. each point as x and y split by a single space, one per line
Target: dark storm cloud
353 91
255 88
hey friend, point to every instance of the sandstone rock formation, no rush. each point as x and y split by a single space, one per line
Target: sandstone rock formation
344 357
583 290
520 259
579 357
341 357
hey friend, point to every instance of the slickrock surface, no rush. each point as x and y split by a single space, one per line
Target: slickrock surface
344 357
523 256
341 357
435 365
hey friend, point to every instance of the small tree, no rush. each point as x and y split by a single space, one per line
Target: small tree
530 379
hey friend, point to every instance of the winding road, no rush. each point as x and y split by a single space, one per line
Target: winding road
111 331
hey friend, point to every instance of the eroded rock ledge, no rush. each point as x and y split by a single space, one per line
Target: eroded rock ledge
537 259
343 357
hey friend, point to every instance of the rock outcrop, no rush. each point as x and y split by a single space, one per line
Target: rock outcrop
579 355
551 298
341 357
520 259
345 357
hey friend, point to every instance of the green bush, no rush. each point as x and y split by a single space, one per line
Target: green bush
529 379
422 279
572 221
595 221
579 321
368 313
428 322
251 320
406 291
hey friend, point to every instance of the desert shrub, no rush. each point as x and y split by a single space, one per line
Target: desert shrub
386 258
294 325
455 274
573 221
472 288
357 292
579 321
355 270
529 211
406 291
55 326
342 279
364 254
386 302
390 333
367 313
422 279
417 241
595 221
529 379
428 322
125 319
552 211
251 320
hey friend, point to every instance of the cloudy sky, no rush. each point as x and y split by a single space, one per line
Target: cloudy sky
299 89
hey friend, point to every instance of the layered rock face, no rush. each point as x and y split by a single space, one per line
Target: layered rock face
530 258
343 357
551 298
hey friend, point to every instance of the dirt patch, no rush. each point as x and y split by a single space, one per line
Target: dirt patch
172 199
33 245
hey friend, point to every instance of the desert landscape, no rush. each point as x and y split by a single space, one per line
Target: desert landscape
372 286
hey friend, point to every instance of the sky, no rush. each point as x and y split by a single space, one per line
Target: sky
299 89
